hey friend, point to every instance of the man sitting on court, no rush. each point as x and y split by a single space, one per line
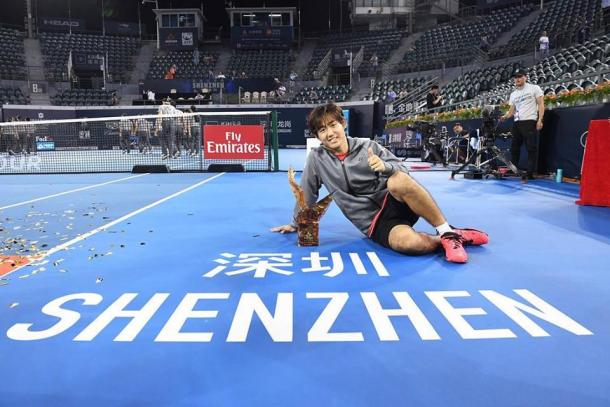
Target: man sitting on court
375 192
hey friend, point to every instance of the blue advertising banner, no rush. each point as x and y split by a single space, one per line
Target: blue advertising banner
123 28
261 37
178 38
495 3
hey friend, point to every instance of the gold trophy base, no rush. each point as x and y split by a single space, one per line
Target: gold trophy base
308 234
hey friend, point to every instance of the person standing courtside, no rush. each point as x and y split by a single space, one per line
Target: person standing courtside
527 107
12 137
31 137
22 136
125 130
190 131
166 128
142 127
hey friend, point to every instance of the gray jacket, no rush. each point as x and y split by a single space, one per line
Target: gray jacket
356 189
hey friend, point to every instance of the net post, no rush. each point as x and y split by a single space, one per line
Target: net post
274 141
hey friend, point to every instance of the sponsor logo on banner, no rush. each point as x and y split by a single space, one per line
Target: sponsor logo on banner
187 38
234 142
171 39
45 145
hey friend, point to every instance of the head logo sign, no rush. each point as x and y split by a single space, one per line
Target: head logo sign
234 142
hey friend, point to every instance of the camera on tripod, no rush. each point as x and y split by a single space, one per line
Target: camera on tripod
488 155
432 143
490 126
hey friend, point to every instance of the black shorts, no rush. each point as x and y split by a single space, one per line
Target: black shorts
392 213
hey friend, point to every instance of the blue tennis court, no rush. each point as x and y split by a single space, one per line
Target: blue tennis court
169 289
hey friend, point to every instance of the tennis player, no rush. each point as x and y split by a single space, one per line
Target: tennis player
375 192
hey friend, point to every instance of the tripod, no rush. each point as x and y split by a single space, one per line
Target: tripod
492 153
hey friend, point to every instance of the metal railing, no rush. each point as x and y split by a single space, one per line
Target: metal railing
323 65
358 59
405 105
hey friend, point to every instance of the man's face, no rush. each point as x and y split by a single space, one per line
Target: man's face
332 133
520 80
457 129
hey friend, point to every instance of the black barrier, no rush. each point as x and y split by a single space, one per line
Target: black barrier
563 137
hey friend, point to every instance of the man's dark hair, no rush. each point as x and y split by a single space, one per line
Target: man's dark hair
457 124
193 109
315 120
434 87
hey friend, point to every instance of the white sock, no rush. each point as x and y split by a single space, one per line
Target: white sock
444 228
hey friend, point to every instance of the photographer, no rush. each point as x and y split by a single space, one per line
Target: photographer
465 138
527 106
434 99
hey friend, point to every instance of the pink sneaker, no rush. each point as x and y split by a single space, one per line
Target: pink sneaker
472 236
454 249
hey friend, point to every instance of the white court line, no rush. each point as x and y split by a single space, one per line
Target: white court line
114 222
70 191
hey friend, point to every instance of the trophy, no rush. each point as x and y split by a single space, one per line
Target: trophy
308 219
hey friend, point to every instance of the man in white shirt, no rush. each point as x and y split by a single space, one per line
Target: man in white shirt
527 107
151 95
544 45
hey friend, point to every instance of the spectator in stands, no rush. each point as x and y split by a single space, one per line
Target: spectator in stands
220 76
527 106
403 94
292 80
584 30
114 101
171 72
278 87
391 95
544 45
199 97
374 62
484 44
151 95
196 57
434 100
